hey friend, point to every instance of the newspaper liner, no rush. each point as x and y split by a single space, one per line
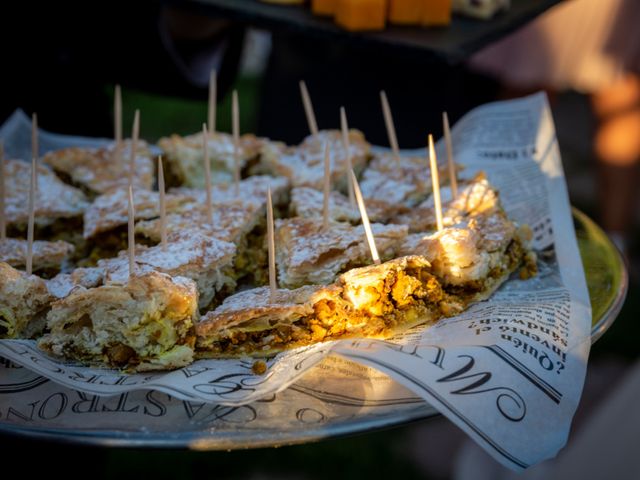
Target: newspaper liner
509 371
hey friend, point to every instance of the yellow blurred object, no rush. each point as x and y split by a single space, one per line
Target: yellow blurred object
436 13
406 12
324 7
357 15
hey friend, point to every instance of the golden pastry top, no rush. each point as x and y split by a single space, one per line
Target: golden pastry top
475 197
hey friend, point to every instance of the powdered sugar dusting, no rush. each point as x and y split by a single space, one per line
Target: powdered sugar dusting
304 164
404 183
220 146
100 169
111 209
230 222
307 202
188 252
377 185
54 199
257 298
252 190
474 197
306 241
256 304
45 254
63 284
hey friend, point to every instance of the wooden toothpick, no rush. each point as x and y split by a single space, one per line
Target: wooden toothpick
365 219
327 186
213 94
450 162
308 108
235 119
436 183
273 285
131 233
163 207
207 175
3 224
347 148
35 147
32 214
391 129
117 117
117 127
135 133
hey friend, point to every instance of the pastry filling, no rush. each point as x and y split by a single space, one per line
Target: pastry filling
397 301
7 323
17 326
66 229
158 334
510 260
68 179
227 288
109 244
148 321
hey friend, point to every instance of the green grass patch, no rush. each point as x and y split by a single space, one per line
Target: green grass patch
162 115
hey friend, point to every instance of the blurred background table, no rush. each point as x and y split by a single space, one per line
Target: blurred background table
451 44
